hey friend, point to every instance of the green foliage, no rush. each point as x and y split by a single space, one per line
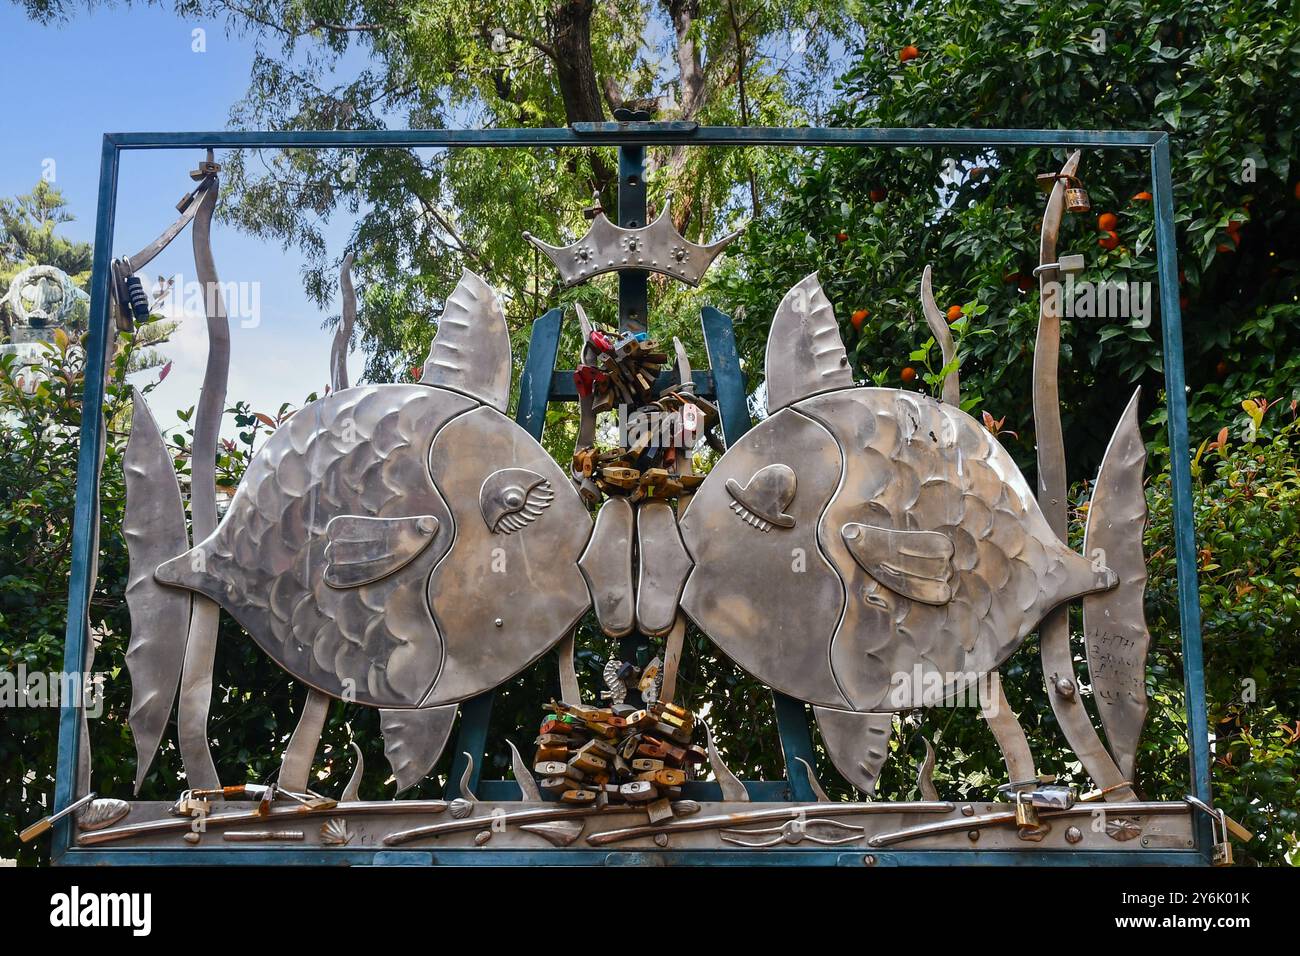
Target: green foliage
1247 513
1222 76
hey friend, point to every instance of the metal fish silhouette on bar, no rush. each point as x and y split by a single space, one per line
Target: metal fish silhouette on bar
401 546
868 550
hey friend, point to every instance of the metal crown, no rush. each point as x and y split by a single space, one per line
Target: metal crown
658 247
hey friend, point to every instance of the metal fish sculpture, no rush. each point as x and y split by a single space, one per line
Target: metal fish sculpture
400 546
868 550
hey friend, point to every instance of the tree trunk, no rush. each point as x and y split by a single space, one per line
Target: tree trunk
575 69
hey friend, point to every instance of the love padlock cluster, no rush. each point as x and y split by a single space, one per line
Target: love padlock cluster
661 426
619 754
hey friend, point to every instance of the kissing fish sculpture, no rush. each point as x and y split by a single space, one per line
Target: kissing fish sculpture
867 550
403 546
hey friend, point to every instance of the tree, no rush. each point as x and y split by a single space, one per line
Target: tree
426 214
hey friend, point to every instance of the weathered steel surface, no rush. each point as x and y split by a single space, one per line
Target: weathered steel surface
471 351
1114 623
856 743
657 247
805 354
201 647
360 452
938 324
769 600
154 528
607 567
1007 731
501 600
664 565
414 740
1054 636
295 767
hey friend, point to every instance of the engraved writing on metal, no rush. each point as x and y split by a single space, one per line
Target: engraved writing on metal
1114 623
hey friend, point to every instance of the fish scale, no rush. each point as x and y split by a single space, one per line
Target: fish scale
362 451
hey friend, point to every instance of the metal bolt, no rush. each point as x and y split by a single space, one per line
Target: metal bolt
1074 835
869 860
968 811
499 623
973 835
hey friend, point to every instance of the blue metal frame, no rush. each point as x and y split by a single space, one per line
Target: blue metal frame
541 384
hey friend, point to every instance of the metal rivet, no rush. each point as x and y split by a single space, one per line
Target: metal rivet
968 811
1074 835
869 860
499 623
973 835
661 839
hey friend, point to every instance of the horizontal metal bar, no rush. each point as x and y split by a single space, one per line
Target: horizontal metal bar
564 390
484 856
760 791
616 134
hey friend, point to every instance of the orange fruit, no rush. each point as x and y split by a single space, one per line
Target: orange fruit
909 374
954 313
877 195
1110 241
858 318
1025 283
1221 370
1143 196
908 52
1107 222
841 236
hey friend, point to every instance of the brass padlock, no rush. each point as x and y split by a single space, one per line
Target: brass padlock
1028 825
645 764
578 796
1076 197
588 763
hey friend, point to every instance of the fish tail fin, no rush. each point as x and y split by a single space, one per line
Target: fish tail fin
1116 638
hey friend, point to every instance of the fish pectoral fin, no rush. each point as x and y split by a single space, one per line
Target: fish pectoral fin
359 550
914 564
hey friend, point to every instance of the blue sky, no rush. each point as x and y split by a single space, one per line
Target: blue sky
133 68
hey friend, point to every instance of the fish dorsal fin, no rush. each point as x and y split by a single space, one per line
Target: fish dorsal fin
915 564
470 353
805 354
359 550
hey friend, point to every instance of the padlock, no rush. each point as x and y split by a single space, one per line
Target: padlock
578 796
1052 798
588 763
551 768
678 734
660 810
1076 197
629 745
647 765
666 777
1028 826
557 726
600 748
638 791
558 784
